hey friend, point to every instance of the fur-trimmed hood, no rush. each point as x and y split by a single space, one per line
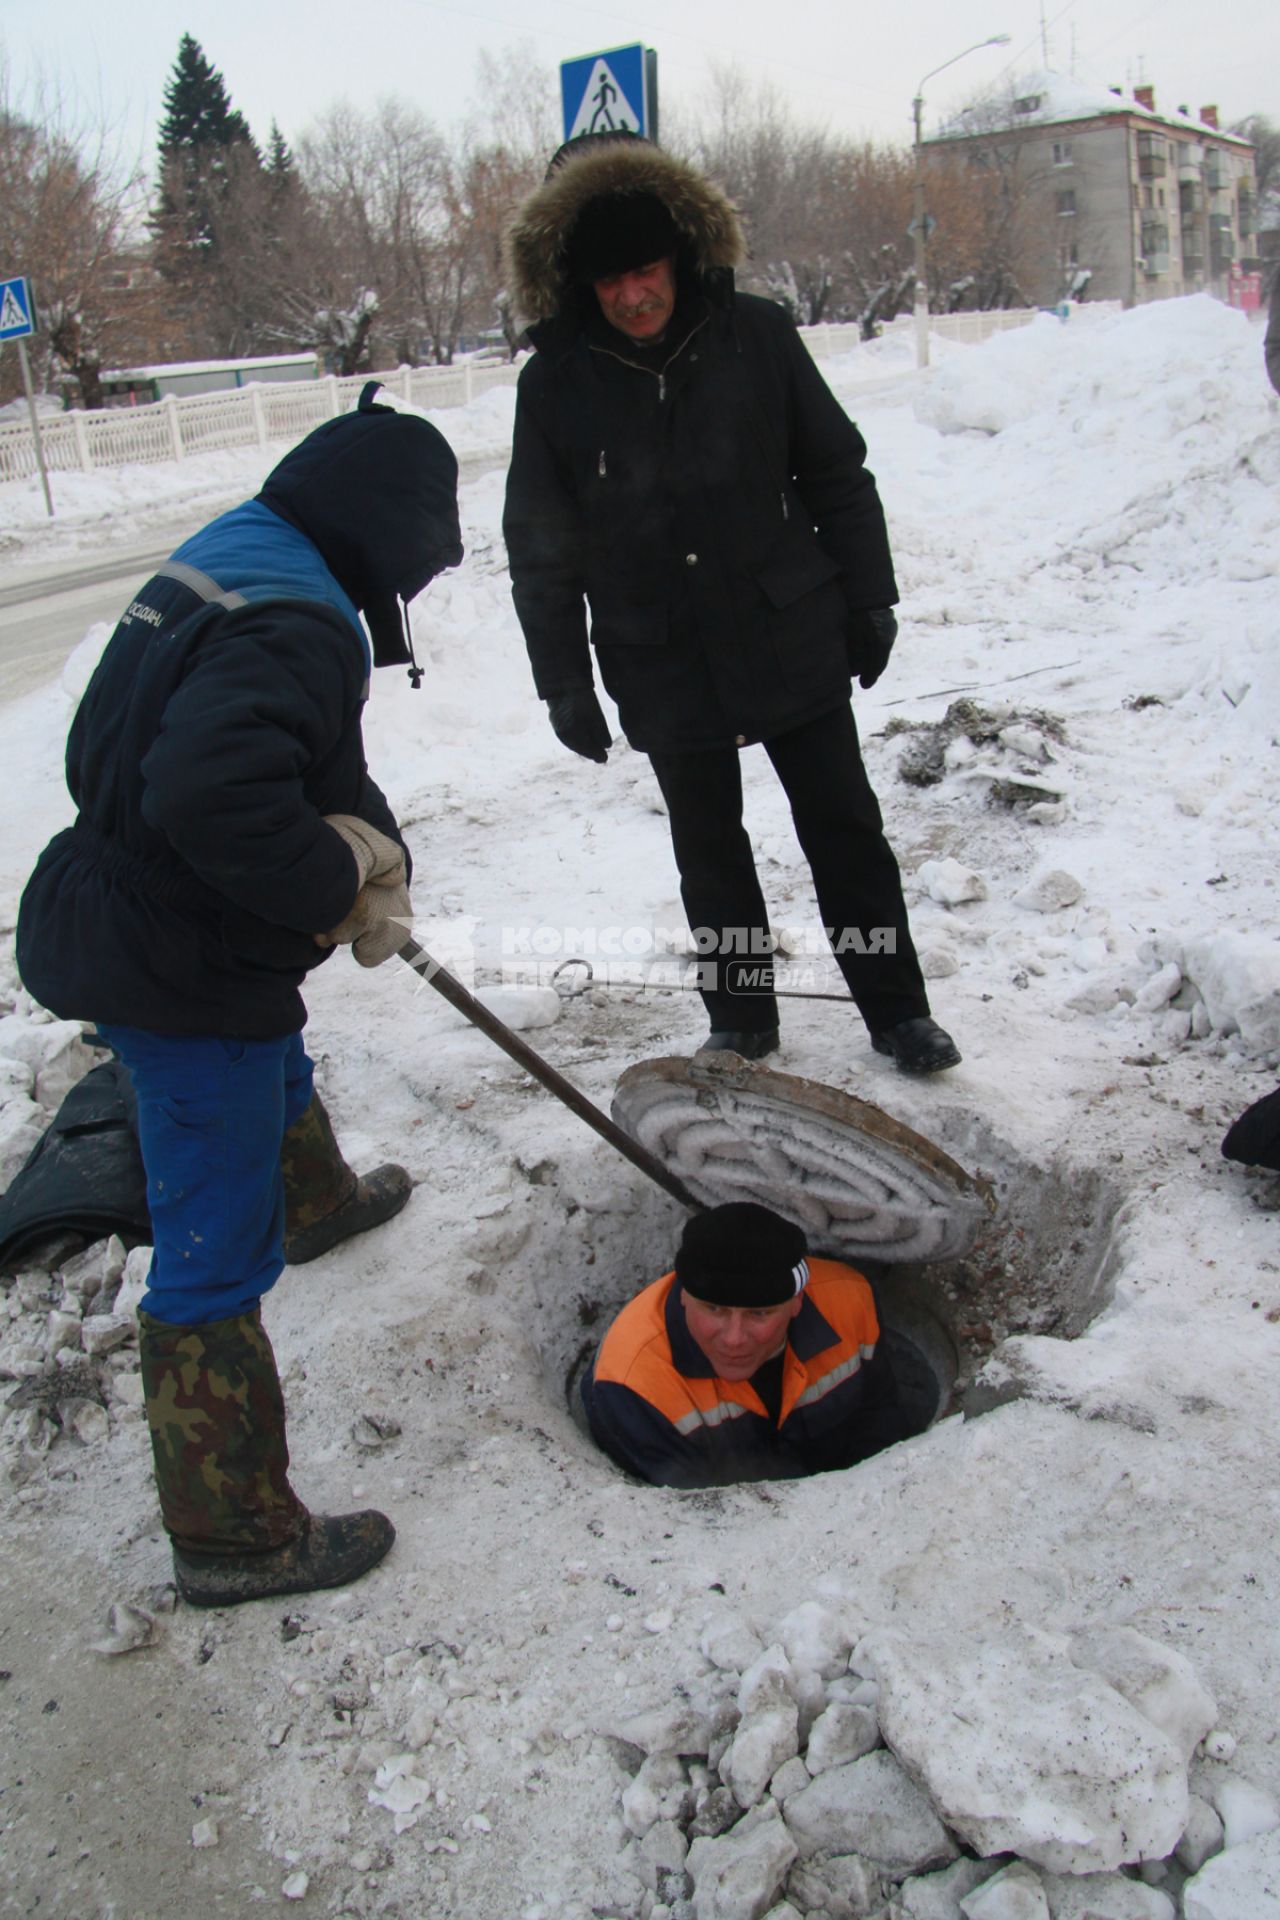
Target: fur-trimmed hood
703 215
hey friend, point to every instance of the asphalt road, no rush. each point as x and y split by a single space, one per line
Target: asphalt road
45 612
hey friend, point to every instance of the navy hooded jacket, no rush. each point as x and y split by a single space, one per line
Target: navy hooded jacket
222 723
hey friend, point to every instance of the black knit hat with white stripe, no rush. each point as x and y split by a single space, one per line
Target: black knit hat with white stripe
742 1255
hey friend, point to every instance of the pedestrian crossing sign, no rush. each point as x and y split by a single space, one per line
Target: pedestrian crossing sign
17 310
606 93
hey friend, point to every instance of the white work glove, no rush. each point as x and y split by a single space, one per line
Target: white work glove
381 916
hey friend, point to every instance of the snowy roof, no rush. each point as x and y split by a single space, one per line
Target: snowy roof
1061 98
173 368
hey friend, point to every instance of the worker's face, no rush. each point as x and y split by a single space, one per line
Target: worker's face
737 1340
639 303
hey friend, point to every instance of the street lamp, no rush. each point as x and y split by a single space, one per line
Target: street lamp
918 220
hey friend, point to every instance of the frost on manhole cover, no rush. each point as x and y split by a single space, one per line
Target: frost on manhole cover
860 1183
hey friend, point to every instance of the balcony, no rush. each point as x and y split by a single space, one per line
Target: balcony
1154 263
1215 172
1152 166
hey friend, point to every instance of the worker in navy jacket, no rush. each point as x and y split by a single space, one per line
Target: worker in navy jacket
228 837
748 1362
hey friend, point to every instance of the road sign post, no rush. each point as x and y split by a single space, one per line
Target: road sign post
17 321
611 92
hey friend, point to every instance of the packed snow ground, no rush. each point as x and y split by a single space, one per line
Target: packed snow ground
1086 520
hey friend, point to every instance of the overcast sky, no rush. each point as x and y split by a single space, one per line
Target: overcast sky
853 68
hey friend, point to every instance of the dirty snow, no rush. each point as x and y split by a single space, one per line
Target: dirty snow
1086 522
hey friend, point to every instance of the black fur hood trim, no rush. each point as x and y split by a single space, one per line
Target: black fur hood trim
702 212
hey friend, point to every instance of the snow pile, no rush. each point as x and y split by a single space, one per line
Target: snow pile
71 1344
1161 373
842 1773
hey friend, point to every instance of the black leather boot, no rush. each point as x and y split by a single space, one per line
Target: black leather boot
918 1046
752 1046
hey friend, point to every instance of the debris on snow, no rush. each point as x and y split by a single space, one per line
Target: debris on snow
950 883
1049 892
131 1628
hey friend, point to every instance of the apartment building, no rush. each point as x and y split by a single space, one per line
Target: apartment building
1125 202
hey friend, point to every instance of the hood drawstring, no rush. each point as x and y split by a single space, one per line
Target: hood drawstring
415 671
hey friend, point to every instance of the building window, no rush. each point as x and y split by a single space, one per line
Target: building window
1062 153
1152 158
1155 247
1029 103
1067 201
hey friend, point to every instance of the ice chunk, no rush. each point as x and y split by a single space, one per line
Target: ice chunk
1013 1894
1160 1682
870 1807
1025 1753
739 1875
812 1635
1049 891
1245 1809
949 883
1238 975
729 1643
841 1734
765 1740
522 1007
1241 1884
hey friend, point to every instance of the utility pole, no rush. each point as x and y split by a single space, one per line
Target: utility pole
919 218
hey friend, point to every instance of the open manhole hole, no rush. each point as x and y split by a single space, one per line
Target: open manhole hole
959 1260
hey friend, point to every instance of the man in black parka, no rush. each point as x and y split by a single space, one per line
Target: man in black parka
228 837
681 469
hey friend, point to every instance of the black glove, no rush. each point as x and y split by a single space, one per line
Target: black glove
871 638
579 724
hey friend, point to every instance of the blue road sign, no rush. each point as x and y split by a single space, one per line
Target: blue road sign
17 310
605 93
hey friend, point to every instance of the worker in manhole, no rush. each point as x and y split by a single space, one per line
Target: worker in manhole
228 838
681 468
749 1361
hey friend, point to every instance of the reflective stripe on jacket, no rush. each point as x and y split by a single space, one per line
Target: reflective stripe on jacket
657 1407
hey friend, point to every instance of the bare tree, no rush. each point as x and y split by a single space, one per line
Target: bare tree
872 187
1264 133
70 219
510 134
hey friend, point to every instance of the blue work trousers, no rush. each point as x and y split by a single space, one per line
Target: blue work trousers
212 1115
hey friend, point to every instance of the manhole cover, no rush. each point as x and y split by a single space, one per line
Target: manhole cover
861 1184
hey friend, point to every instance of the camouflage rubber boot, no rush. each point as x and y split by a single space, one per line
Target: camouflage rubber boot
239 1531
323 1200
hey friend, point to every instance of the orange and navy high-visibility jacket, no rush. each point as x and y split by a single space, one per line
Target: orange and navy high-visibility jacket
657 1407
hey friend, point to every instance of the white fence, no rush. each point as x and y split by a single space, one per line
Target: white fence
244 416
968 329
170 429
